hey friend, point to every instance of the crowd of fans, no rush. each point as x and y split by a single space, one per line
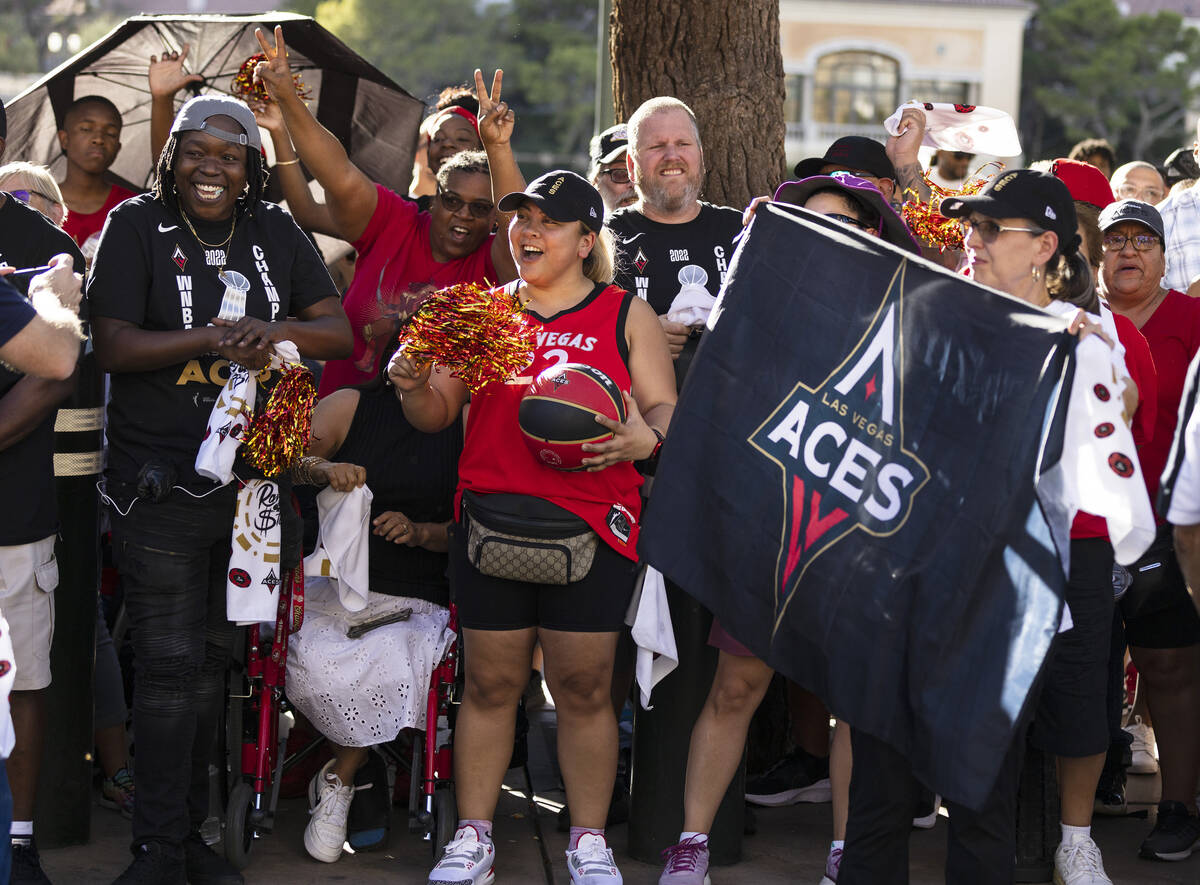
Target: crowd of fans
601 264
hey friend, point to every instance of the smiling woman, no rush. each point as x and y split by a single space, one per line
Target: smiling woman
165 332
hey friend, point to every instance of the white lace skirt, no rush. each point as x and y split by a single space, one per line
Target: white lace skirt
361 692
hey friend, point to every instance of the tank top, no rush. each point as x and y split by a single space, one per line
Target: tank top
495 458
409 471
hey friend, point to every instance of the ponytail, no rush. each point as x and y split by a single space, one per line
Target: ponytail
598 266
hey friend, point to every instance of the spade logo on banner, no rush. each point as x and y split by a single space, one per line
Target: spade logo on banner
839 444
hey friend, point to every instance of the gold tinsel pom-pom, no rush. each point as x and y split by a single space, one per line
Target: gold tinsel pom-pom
481 335
925 221
278 433
244 87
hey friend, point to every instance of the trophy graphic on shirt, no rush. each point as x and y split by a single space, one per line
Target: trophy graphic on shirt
233 302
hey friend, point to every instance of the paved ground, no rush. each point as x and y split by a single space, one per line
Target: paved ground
789 847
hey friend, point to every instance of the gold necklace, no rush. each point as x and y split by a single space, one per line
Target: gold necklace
224 247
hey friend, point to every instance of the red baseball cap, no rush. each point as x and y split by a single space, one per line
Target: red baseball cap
1085 182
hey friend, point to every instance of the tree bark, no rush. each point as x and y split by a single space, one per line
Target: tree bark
724 60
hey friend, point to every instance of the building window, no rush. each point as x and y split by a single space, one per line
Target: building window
793 103
938 90
855 88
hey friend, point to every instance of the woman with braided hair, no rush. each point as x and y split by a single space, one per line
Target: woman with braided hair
196 275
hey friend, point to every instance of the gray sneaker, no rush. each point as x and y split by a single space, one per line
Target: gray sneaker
468 861
591 863
687 863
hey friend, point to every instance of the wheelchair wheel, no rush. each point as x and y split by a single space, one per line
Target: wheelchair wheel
445 820
239 831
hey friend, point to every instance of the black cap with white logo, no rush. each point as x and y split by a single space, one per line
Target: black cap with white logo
1022 193
610 144
1133 210
562 195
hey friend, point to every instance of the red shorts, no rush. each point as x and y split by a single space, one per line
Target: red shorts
718 638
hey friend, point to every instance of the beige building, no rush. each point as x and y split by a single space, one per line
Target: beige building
850 63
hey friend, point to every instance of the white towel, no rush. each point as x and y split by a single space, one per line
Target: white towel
691 306
653 632
255 572
958 127
342 544
227 425
8 675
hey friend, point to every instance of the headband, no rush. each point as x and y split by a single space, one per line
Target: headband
464 113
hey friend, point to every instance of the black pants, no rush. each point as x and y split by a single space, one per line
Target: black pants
173 559
981 845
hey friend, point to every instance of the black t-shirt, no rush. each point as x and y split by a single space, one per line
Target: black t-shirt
27 239
150 270
655 260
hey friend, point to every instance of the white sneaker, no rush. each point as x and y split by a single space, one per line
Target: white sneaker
591 863
1079 863
1145 749
468 860
329 804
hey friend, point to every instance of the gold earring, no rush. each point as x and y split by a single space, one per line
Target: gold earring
1036 273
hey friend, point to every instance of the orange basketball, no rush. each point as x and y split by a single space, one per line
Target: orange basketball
558 413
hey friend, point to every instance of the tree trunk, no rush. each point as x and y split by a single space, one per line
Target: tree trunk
724 60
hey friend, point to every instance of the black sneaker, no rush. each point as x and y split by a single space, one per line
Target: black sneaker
204 866
1110 793
27 863
370 815
1174 835
797 777
153 864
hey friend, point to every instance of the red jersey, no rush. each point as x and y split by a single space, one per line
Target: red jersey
81 226
496 459
1173 332
395 262
1140 364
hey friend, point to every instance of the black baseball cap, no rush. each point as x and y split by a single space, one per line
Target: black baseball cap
1180 165
562 195
855 153
1039 197
1133 210
610 144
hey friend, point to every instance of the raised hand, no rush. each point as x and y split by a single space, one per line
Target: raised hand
267 115
903 147
496 118
274 71
167 75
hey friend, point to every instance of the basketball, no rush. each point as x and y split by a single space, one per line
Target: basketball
558 413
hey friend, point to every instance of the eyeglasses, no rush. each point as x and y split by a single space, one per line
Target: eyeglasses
846 219
1116 242
618 174
1145 194
478 208
26 196
989 230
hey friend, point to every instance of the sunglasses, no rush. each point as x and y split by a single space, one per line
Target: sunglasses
26 196
618 174
989 230
478 208
1116 242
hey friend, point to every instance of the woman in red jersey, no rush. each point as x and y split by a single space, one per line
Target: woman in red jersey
565 267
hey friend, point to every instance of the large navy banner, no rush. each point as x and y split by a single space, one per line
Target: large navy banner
849 485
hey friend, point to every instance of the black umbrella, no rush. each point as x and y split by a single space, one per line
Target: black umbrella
374 118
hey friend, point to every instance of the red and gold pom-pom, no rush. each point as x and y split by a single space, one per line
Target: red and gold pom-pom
481 335
929 225
244 86
278 433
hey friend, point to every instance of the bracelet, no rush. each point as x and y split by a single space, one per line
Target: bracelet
287 162
304 471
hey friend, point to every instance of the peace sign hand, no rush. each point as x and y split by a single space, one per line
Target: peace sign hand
274 71
496 119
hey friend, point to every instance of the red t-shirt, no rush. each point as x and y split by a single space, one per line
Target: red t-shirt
495 459
81 226
395 262
1140 364
1173 332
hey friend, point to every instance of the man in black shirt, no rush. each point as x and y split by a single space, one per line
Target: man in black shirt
28 525
670 239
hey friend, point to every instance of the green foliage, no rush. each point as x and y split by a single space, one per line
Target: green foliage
547 49
1090 72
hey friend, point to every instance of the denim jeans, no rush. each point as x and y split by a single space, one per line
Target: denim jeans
173 557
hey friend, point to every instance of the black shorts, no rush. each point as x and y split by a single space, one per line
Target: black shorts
1072 711
1175 626
597 604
